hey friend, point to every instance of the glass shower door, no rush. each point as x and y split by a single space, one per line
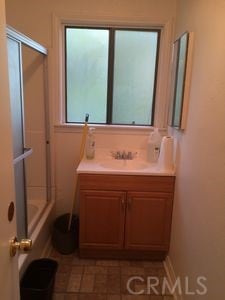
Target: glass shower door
36 135
19 152
27 63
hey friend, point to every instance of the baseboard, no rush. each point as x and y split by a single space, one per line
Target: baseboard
171 276
47 249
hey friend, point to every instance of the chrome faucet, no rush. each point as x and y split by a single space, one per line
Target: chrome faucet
126 155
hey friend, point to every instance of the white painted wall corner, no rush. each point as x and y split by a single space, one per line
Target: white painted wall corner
171 276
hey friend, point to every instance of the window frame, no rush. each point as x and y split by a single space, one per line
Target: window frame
110 77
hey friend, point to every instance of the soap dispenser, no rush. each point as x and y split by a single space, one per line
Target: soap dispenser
153 147
90 144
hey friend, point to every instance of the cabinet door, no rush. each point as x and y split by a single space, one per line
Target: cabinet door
148 221
102 215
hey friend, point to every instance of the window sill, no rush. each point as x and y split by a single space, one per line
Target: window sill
101 128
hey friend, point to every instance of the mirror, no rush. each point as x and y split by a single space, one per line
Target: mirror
181 74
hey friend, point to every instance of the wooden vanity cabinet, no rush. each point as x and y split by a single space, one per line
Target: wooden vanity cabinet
148 220
102 216
125 216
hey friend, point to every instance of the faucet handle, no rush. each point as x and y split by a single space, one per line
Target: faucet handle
131 155
116 154
113 153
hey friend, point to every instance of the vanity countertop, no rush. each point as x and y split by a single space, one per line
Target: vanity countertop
104 163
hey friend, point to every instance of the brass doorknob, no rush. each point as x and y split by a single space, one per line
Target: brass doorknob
24 245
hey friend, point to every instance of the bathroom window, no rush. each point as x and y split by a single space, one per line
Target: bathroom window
111 75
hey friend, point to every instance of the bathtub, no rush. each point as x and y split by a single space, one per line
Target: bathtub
35 209
40 216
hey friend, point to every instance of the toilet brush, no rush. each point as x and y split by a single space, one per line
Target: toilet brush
82 147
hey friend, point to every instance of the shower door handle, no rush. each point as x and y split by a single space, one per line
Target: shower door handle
25 245
27 152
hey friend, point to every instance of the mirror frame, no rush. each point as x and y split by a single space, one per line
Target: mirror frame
181 77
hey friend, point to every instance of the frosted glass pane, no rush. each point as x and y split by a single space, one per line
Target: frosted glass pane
16 100
36 165
134 76
87 71
15 95
20 200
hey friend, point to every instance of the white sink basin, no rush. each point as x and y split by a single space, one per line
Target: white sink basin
104 163
117 164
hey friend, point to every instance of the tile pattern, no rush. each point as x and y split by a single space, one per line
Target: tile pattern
89 279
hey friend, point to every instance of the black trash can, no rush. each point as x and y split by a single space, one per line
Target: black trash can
64 241
38 280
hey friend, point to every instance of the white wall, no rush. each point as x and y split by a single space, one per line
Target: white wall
198 230
35 19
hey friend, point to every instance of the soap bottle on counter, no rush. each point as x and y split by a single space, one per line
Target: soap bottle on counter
153 146
90 144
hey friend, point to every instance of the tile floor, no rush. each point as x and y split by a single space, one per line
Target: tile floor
89 279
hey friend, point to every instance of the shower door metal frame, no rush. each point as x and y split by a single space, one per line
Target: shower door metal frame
26 41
